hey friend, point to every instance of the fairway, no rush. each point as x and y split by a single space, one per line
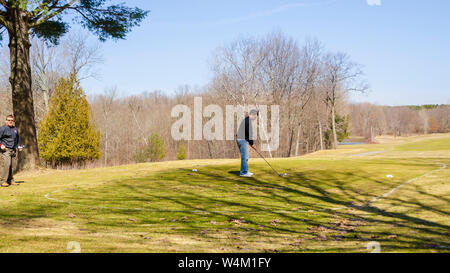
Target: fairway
331 201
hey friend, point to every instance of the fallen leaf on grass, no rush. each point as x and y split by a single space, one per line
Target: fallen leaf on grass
296 242
204 232
131 220
321 237
344 225
275 222
236 222
71 215
318 229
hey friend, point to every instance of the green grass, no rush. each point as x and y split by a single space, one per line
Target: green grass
323 205
426 145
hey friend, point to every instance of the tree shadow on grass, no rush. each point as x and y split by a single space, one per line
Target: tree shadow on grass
235 173
366 212
312 194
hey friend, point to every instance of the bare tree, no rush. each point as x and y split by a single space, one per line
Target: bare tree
75 54
308 81
135 105
107 102
236 67
269 70
81 56
342 76
425 118
46 70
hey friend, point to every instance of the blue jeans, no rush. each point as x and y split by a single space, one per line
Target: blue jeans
243 147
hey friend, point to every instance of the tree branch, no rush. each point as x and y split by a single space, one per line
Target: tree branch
37 12
3 21
40 19
77 9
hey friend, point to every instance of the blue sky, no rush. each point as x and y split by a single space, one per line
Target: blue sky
404 45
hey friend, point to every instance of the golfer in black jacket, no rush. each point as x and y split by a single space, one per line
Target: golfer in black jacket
245 138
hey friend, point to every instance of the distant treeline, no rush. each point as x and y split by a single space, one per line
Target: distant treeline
370 120
427 106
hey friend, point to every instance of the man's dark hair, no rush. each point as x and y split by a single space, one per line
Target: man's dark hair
254 112
10 116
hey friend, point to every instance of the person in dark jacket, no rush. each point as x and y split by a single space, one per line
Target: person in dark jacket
244 138
9 143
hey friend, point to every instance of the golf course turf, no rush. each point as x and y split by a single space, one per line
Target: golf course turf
330 201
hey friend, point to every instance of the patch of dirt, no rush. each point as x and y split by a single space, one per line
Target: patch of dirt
40 227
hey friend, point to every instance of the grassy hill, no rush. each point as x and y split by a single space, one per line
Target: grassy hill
331 201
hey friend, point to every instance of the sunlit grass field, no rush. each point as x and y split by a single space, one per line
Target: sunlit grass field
331 201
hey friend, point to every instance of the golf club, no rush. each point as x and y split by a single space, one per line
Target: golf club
279 174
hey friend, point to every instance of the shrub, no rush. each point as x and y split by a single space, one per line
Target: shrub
181 154
140 157
66 134
156 148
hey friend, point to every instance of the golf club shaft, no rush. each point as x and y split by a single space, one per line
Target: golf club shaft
265 160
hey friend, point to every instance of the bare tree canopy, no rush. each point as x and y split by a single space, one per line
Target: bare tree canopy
341 77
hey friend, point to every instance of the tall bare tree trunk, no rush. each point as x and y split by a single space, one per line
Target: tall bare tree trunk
372 135
290 142
106 148
46 99
321 136
297 146
22 96
188 151
333 124
210 150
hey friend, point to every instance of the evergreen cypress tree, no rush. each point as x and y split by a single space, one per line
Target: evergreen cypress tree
342 124
66 134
